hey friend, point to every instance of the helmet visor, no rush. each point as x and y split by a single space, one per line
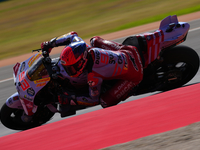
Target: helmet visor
72 70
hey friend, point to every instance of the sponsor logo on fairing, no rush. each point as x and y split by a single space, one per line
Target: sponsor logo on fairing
42 80
41 84
30 92
28 98
33 59
15 98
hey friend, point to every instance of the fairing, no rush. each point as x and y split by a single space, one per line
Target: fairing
14 102
29 77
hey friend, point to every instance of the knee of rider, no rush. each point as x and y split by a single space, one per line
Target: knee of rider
105 100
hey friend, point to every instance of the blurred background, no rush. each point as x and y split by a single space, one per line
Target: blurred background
25 24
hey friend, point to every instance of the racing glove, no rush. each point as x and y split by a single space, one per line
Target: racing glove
48 45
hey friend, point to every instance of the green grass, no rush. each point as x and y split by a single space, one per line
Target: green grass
24 24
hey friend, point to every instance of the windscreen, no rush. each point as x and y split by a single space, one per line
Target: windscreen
37 71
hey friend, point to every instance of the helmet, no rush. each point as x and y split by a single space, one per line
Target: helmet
74 58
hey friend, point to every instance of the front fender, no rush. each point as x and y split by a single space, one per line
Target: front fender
14 102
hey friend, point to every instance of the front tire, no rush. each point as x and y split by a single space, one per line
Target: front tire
11 118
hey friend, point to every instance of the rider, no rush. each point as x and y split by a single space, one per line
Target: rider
103 60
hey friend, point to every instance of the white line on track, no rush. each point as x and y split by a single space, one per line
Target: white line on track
1 81
194 29
6 80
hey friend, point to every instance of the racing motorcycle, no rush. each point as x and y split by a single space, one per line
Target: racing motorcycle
39 79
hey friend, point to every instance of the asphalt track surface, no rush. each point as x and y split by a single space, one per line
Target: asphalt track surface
7 87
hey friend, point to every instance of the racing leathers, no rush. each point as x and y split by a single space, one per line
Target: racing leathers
107 60
115 61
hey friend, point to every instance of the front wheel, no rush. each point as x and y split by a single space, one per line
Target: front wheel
16 119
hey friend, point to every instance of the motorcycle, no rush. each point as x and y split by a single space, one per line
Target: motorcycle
39 79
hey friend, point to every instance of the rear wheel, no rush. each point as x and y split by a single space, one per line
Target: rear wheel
16 119
180 65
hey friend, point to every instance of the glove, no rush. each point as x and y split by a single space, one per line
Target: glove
46 46
73 32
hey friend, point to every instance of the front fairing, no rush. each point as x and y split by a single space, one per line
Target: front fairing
30 78
14 102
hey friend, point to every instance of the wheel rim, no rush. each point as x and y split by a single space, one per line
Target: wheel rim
173 73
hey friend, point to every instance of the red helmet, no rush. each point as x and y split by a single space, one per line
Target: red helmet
74 58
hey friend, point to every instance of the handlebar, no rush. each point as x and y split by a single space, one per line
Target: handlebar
38 50
44 53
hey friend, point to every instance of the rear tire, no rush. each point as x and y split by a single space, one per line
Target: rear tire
11 118
181 64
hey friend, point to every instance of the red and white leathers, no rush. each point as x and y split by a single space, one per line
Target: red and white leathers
116 62
107 60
